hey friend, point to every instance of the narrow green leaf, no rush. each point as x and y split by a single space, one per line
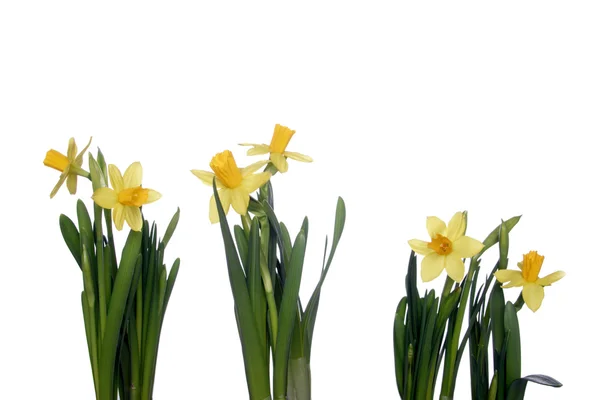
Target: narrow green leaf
287 315
513 345
494 236
242 245
310 314
257 371
503 245
400 344
255 286
98 179
171 228
86 232
71 236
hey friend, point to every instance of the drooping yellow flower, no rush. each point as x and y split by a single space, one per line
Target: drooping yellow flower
69 166
234 184
447 248
126 197
281 137
528 278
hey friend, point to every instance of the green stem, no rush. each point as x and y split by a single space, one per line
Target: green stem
519 303
100 269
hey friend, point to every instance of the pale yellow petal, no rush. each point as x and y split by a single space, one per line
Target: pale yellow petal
72 150
252 168
60 182
79 158
550 279
257 149
72 183
435 226
511 277
279 162
456 226
133 175
419 246
466 247
133 216
240 198
455 267
225 198
105 198
116 179
119 216
153 195
205 176
297 156
533 295
432 266
253 182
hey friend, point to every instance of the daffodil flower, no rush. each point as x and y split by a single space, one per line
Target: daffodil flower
69 166
126 197
447 248
234 184
528 278
278 154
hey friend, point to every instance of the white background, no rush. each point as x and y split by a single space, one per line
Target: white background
408 111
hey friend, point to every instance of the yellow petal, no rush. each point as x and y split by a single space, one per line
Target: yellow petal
419 246
550 279
153 195
119 216
511 277
533 295
72 150
133 175
225 198
133 216
432 266
252 168
116 179
435 226
258 150
60 182
205 176
457 226
465 246
240 198
297 156
455 267
252 144
279 162
105 198
72 183
79 158
253 182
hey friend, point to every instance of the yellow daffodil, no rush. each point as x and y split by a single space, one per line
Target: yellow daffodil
447 248
528 278
69 166
281 137
234 184
126 197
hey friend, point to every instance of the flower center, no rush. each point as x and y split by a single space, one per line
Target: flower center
441 245
532 264
135 196
56 160
226 170
281 138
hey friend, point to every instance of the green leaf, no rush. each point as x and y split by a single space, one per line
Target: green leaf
494 236
171 228
310 314
242 245
513 344
255 286
130 260
287 315
257 370
98 179
86 232
400 344
503 245
71 236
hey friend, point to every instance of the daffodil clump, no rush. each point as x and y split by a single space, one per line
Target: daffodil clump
428 329
265 269
123 300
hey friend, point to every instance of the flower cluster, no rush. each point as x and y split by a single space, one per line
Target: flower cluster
235 184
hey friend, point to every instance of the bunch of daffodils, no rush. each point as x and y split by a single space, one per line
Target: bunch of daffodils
428 329
124 298
265 269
